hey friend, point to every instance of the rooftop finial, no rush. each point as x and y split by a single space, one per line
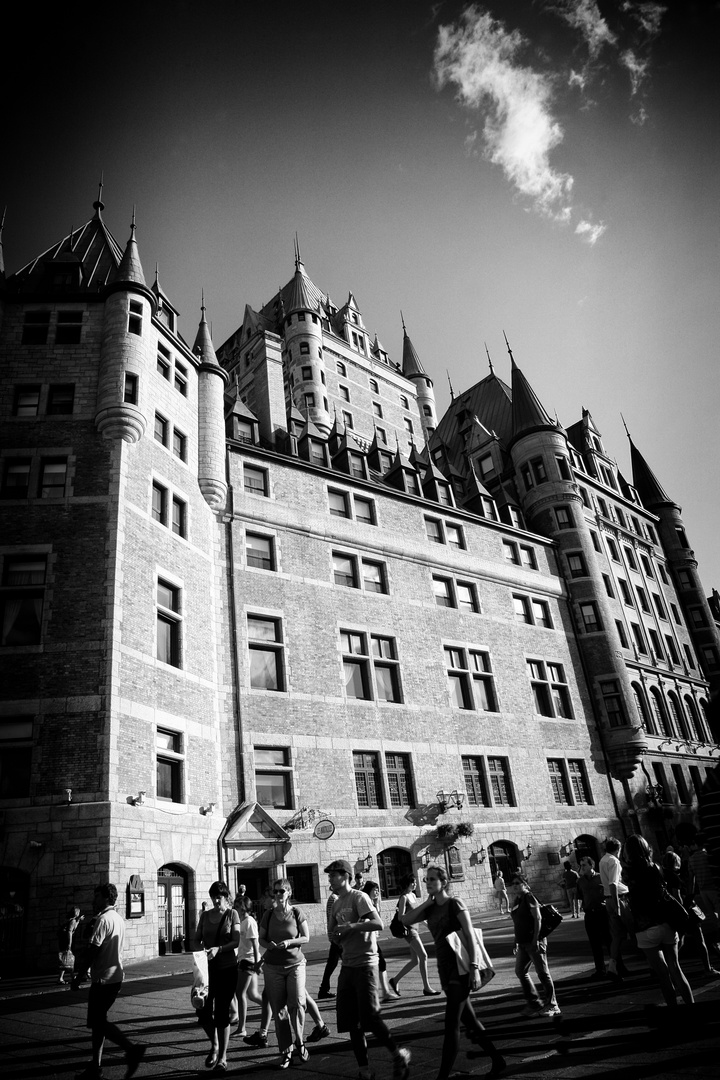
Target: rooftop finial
452 392
202 303
99 205
402 320
492 369
626 427
507 343
132 224
298 256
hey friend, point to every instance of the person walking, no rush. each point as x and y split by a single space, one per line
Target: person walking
248 967
444 914
353 924
106 973
597 926
66 933
418 956
333 957
570 881
654 935
282 933
372 889
531 948
615 891
501 893
218 933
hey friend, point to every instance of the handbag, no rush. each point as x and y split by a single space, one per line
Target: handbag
674 914
485 966
396 927
550 918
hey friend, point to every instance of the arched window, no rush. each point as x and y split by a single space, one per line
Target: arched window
586 845
694 721
504 856
679 716
660 712
707 727
646 719
393 864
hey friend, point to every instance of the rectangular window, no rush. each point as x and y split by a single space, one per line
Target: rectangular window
307 371
69 328
639 638
470 679
159 503
179 517
642 597
161 430
259 551
345 570
339 502
168 623
466 594
613 703
26 401
179 446
655 643
563 517
373 575
16 478
625 592
163 362
521 604
579 782
672 650
342 390
511 552
696 778
130 392
696 617
541 613
61 399
563 467
267 668
355 665
433 530
53 476
608 586
35 330
500 786
475 782
645 561
169 763
550 689
368 783
356 464
689 656
399 780
527 557
659 606
21 599
408 425
613 549
377 409
444 592
348 420
631 560
310 401
387 669
273 777
364 511
558 781
135 313
576 564
680 784
590 617
527 477
621 634
539 472
663 575
15 756
255 480
454 535
374 388
596 541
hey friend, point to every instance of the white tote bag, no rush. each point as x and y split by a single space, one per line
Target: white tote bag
487 971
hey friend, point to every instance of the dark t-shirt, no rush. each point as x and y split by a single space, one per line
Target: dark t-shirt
522 917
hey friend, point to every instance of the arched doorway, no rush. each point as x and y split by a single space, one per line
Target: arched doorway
14 893
393 864
504 857
587 845
172 908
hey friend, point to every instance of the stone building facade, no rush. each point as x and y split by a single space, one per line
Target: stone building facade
264 609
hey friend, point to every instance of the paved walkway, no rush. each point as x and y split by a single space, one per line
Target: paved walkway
605 1031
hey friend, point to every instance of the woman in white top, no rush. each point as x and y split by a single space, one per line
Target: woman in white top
248 968
408 900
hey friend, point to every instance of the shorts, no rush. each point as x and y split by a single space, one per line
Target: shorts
100 1001
248 965
655 936
357 1002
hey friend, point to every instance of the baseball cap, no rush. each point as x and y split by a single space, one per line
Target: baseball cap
341 865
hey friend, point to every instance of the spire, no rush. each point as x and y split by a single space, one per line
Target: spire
298 257
452 392
645 481
2 260
99 205
528 412
507 344
203 346
299 296
410 360
492 369
130 268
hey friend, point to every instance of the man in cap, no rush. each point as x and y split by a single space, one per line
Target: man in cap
353 924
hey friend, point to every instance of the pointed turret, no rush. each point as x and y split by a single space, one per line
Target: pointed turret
413 370
411 365
647 485
211 423
528 412
130 271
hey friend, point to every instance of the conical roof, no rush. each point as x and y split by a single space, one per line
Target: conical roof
130 269
528 412
410 360
645 481
203 346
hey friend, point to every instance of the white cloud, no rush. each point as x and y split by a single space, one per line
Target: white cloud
479 57
647 15
637 69
470 144
584 15
588 232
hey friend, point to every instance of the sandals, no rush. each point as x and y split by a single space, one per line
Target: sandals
286 1059
211 1060
303 1052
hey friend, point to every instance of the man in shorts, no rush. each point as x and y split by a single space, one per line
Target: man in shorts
106 973
353 924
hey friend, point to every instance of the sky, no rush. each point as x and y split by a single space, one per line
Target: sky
544 168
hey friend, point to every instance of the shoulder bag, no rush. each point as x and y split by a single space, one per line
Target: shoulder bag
462 956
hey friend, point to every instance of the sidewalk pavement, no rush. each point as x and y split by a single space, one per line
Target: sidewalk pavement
606 1030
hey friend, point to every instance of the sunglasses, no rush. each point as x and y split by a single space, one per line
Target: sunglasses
279 892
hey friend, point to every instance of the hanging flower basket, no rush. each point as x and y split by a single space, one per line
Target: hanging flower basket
447 833
465 828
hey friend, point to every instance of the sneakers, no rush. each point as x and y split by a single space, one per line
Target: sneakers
401 1064
323 995
550 1010
320 1031
257 1039
133 1059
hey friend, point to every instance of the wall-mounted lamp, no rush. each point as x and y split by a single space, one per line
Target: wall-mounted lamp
447 799
368 863
480 855
68 795
139 799
208 810
654 793
424 858
567 849
527 851
36 843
